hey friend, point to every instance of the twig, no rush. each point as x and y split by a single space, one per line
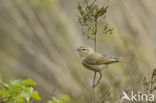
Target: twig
94 80
89 26
95 32
151 88
99 79
87 3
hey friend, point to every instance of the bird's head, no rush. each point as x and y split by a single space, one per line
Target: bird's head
84 51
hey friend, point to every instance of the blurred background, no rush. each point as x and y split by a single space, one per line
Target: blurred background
38 38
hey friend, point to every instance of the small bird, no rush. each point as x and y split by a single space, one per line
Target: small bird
94 61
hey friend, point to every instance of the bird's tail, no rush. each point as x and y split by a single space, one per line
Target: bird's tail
115 59
123 59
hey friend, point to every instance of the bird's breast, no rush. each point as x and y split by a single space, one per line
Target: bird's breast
96 68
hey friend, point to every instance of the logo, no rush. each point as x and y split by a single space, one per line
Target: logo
138 97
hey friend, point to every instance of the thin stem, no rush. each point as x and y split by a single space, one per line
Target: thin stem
95 42
87 3
88 26
93 98
94 79
99 79
4 84
95 33
151 89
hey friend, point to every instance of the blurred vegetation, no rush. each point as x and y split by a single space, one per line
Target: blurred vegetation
38 38
63 99
91 15
149 83
18 91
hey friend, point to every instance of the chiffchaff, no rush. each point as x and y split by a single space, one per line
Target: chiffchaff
94 61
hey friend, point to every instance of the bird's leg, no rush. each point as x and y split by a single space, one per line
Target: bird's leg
99 79
94 80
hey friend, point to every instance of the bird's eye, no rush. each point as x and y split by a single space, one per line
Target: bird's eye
83 49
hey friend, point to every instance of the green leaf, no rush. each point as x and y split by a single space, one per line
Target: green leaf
64 98
19 100
28 82
26 92
36 96
15 82
55 100
4 92
18 91
15 91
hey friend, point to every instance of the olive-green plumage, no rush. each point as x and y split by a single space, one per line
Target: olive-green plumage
94 61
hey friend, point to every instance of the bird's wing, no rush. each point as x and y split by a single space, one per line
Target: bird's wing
97 59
